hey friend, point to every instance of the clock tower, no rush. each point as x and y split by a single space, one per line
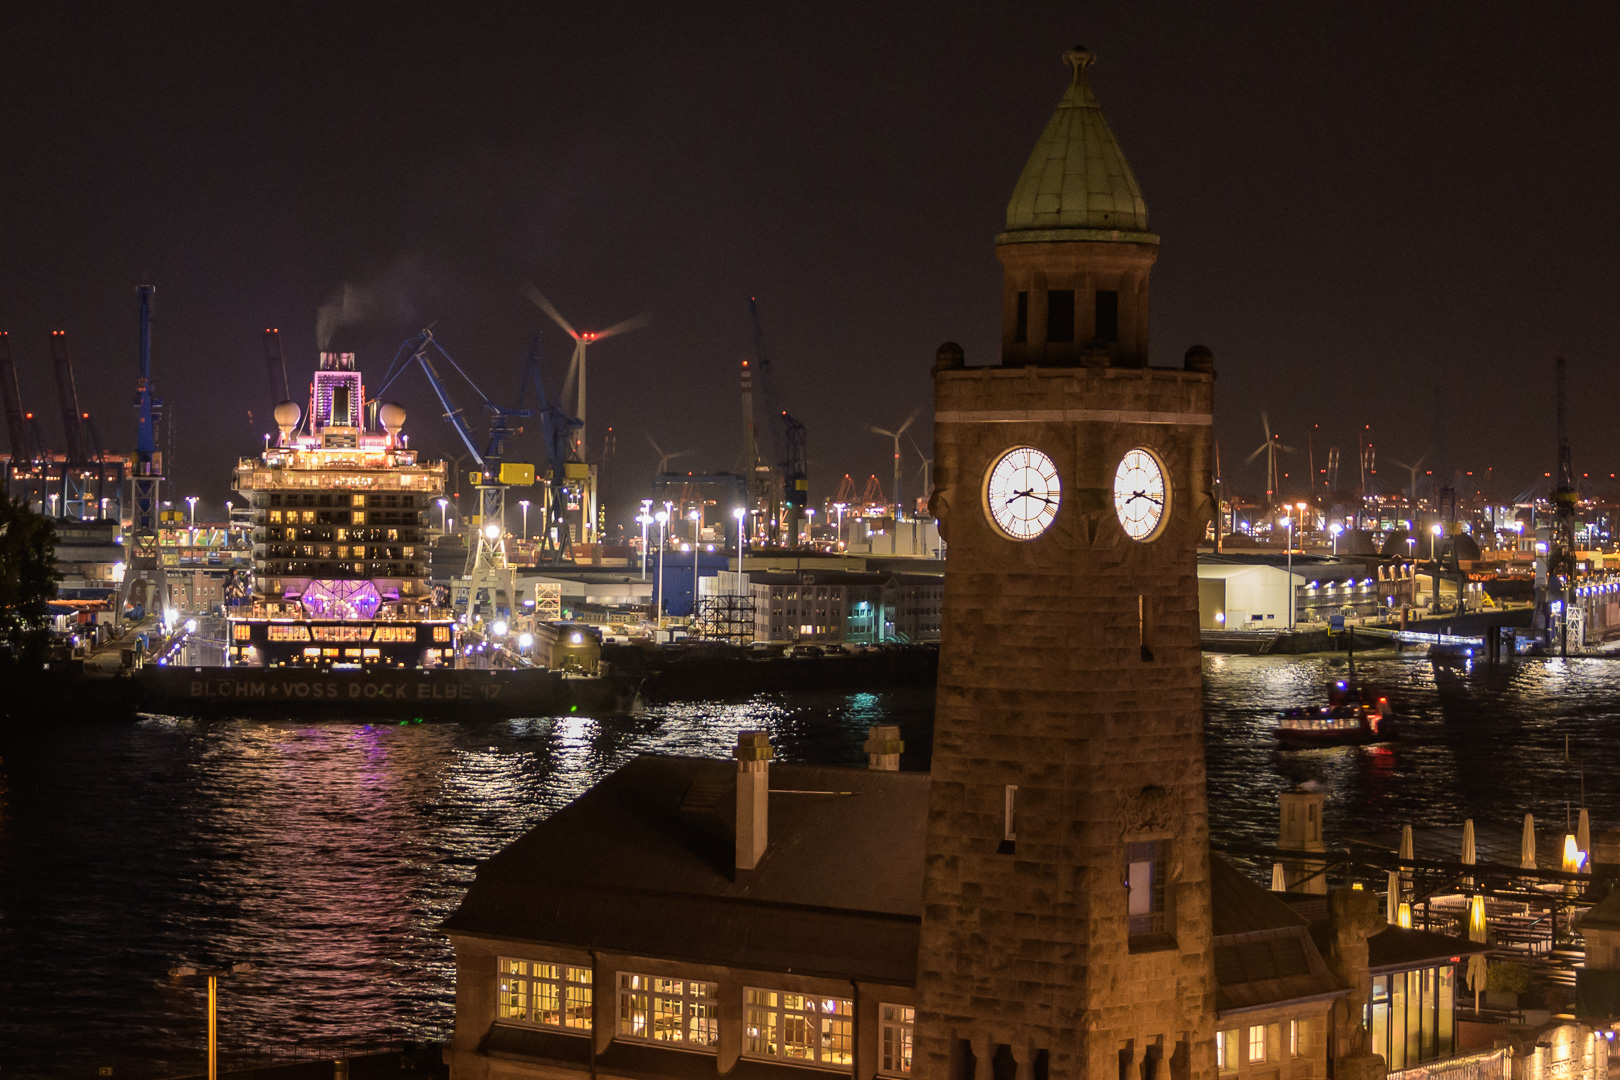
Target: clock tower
1066 925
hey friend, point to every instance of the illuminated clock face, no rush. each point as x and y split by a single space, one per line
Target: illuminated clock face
1021 493
1140 494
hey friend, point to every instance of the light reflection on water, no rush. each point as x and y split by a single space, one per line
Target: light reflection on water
328 853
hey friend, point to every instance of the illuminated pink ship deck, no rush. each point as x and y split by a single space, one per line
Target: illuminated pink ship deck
340 541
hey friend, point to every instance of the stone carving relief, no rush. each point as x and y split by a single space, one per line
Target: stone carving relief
1149 814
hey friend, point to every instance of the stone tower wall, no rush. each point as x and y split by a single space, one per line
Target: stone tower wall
1045 684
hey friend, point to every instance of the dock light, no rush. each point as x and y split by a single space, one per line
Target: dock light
1220 616
191 626
492 530
525 641
576 639
498 628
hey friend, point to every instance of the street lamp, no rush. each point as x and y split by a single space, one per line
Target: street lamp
1434 535
1288 523
810 525
696 516
443 521
1335 529
104 508
191 502
644 519
524 503
741 515
662 517
213 976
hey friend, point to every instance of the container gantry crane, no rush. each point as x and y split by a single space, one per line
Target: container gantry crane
784 484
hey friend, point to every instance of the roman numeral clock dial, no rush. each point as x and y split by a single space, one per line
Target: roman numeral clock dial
1140 494
1021 493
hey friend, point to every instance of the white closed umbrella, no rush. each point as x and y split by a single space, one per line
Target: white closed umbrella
1527 844
1392 903
1469 855
1279 883
1583 835
1478 972
1406 842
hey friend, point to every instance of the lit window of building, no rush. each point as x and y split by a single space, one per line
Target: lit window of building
683 1011
1145 875
895 1048
549 995
798 1027
1226 1051
1257 1043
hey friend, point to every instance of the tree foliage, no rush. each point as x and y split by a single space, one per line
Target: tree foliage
28 578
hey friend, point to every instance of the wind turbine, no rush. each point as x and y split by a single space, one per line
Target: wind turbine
1271 448
899 504
582 339
927 465
665 458
1413 469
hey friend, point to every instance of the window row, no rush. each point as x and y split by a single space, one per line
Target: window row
340 499
777 1025
1060 323
1258 1044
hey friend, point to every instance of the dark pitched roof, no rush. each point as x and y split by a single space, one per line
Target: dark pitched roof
1264 954
1239 905
642 863
1396 948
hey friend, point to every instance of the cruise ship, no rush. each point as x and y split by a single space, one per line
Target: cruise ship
340 542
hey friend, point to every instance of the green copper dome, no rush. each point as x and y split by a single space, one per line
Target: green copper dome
1077 184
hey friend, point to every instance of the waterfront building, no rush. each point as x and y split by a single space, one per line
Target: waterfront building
340 537
833 607
691 917
1042 904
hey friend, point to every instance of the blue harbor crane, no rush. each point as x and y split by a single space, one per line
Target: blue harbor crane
146 483
489 571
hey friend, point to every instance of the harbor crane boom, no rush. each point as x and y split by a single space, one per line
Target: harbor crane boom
277 365
11 396
488 569
67 396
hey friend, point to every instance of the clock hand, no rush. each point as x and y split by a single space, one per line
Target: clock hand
1030 494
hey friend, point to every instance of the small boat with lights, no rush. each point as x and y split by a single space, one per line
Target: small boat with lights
1348 719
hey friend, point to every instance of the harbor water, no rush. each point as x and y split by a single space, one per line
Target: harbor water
327 853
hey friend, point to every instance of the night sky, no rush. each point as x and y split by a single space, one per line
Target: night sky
1358 204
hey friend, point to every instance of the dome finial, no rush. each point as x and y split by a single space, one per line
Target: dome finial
1079 58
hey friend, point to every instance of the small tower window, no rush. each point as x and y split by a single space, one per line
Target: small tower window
1107 316
1145 880
1021 319
1060 315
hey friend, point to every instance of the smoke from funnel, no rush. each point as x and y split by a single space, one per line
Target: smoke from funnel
389 294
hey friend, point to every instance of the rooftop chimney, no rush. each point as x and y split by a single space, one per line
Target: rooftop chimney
883 747
753 754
